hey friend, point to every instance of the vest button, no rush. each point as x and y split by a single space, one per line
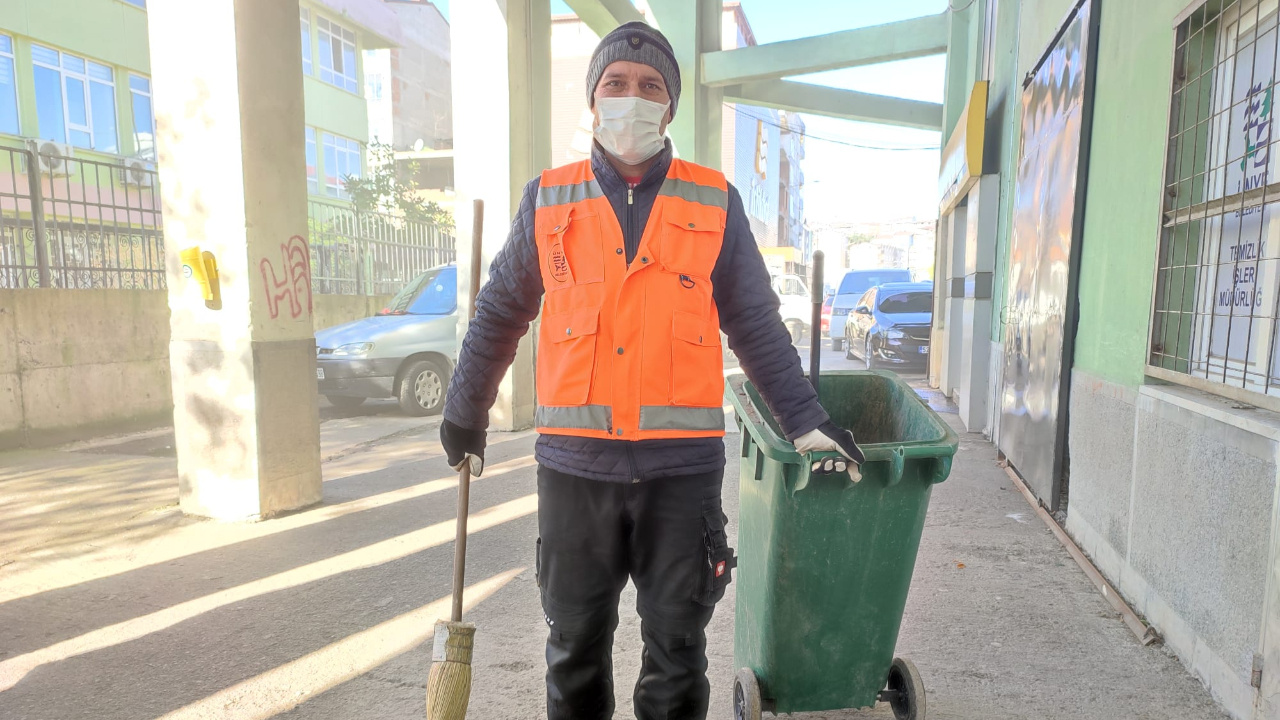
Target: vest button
619 432
568 331
619 351
619 251
644 259
690 225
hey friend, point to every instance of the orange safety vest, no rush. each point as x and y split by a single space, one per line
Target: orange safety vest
630 353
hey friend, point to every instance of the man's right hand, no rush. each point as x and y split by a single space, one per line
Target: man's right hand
463 446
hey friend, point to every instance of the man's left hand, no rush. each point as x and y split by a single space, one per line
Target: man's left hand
832 438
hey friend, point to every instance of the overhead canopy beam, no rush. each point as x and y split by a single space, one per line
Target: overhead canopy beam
902 40
846 104
602 16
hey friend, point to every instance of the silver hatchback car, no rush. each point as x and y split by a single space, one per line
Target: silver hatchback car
407 351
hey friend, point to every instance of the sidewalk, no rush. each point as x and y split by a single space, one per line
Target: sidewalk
114 605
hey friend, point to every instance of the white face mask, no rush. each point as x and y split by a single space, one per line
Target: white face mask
630 128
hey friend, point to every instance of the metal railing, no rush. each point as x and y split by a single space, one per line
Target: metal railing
72 223
80 224
366 253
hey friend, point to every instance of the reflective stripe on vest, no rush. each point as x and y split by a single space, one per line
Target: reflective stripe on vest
630 351
652 417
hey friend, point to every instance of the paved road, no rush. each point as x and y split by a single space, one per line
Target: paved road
324 614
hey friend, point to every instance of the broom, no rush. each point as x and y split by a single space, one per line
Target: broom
449 682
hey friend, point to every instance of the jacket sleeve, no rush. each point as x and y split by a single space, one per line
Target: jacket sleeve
750 317
507 303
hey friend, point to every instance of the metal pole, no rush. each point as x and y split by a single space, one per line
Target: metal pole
815 326
37 217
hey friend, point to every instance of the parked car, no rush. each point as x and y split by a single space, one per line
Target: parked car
826 315
407 351
797 304
891 324
853 286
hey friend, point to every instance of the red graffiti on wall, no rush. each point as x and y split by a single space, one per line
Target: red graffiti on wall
295 285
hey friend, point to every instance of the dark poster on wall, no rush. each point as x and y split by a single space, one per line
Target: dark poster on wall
1048 215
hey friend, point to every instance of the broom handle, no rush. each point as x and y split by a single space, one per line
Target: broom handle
464 477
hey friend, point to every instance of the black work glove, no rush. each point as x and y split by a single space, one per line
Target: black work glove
462 445
830 437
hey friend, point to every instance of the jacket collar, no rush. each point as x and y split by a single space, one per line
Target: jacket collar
609 179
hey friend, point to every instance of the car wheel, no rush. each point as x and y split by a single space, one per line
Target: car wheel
848 349
869 356
422 389
345 401
837 344
796 328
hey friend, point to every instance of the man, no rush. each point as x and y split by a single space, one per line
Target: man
637 260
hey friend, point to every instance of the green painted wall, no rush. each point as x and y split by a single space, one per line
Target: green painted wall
1122 228
1004 113
115 33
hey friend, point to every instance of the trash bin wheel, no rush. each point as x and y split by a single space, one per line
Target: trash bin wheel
905 692
746 696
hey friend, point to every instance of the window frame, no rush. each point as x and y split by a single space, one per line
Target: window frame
1240 392
312 147
304 19
12 55
149 94
350 81
346 145
87 79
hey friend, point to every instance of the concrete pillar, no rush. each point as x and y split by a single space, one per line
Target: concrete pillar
229 110
501 140
979 266
694 27
952 284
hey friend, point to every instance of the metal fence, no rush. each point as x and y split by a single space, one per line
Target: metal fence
79 224
72 223
367 253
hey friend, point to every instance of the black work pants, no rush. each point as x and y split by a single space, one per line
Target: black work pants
668 536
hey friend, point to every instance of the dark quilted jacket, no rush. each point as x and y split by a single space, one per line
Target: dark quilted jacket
749 316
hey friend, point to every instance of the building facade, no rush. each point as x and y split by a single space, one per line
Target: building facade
83 89
1109 278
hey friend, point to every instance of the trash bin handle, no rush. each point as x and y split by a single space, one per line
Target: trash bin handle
897 459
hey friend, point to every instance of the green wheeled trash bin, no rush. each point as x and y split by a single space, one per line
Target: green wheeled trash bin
825 564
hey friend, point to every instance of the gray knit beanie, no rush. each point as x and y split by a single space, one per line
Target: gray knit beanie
640 43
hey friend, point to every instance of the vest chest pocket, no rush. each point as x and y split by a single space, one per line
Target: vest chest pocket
567 357
697 376
570 246
692 236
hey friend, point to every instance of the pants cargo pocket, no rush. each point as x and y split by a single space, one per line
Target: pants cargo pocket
719 560
537 564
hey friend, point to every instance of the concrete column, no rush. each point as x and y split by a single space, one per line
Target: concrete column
229 110
979 265
694 27
952 284
501 140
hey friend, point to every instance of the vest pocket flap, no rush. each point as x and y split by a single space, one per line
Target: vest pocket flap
552 220
699 218
575 323
694 329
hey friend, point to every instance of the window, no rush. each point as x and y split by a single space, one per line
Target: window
75 100
341 160
306 42
1218 270
140 3
907 303
337 55
313 181
144 121
8 88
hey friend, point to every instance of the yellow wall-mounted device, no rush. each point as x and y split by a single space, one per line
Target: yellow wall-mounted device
202 267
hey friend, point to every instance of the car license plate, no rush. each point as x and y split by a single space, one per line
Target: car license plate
924 350
319 373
